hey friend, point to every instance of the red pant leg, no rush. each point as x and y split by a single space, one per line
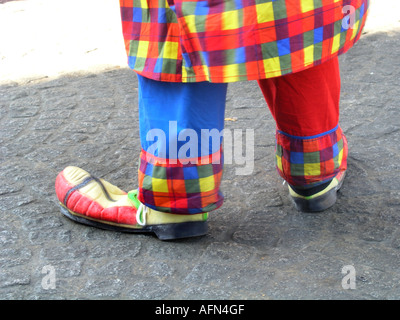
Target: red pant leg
305 103
311 147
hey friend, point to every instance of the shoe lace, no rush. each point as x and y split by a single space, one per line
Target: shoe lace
141 214
141 210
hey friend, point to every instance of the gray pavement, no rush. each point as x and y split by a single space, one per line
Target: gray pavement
258 246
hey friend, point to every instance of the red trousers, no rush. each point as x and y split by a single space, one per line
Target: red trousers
305 103
311 148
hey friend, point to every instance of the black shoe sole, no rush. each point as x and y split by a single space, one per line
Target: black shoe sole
170 231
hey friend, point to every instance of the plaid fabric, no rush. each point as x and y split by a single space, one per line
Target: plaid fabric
187 188
235 40
304 161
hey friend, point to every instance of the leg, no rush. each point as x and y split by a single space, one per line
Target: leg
180 167
179 173
311 150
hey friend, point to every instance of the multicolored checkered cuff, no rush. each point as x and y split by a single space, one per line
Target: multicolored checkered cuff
307 161
169 185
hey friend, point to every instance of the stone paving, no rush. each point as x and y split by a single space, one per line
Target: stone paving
258 245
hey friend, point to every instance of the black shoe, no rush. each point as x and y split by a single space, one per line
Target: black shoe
318 198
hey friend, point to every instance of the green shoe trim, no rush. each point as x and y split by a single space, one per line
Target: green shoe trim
132 195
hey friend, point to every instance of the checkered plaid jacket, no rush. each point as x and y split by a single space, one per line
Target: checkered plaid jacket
236 40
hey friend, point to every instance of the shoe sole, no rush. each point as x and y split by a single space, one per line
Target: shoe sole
170 231
320 203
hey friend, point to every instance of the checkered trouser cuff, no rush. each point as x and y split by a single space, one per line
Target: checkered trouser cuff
308 161
179 187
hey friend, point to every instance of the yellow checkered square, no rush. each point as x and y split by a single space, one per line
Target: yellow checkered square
312 169
307 5
355 29
159 185
143 4
265 12
279 162
207 184
336 43
231 70
309 55
170 50
272 67
143 49
340 157
190 21
230 20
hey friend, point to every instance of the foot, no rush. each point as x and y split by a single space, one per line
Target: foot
92 201
317 198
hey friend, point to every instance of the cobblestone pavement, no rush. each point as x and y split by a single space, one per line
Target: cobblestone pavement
258 245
